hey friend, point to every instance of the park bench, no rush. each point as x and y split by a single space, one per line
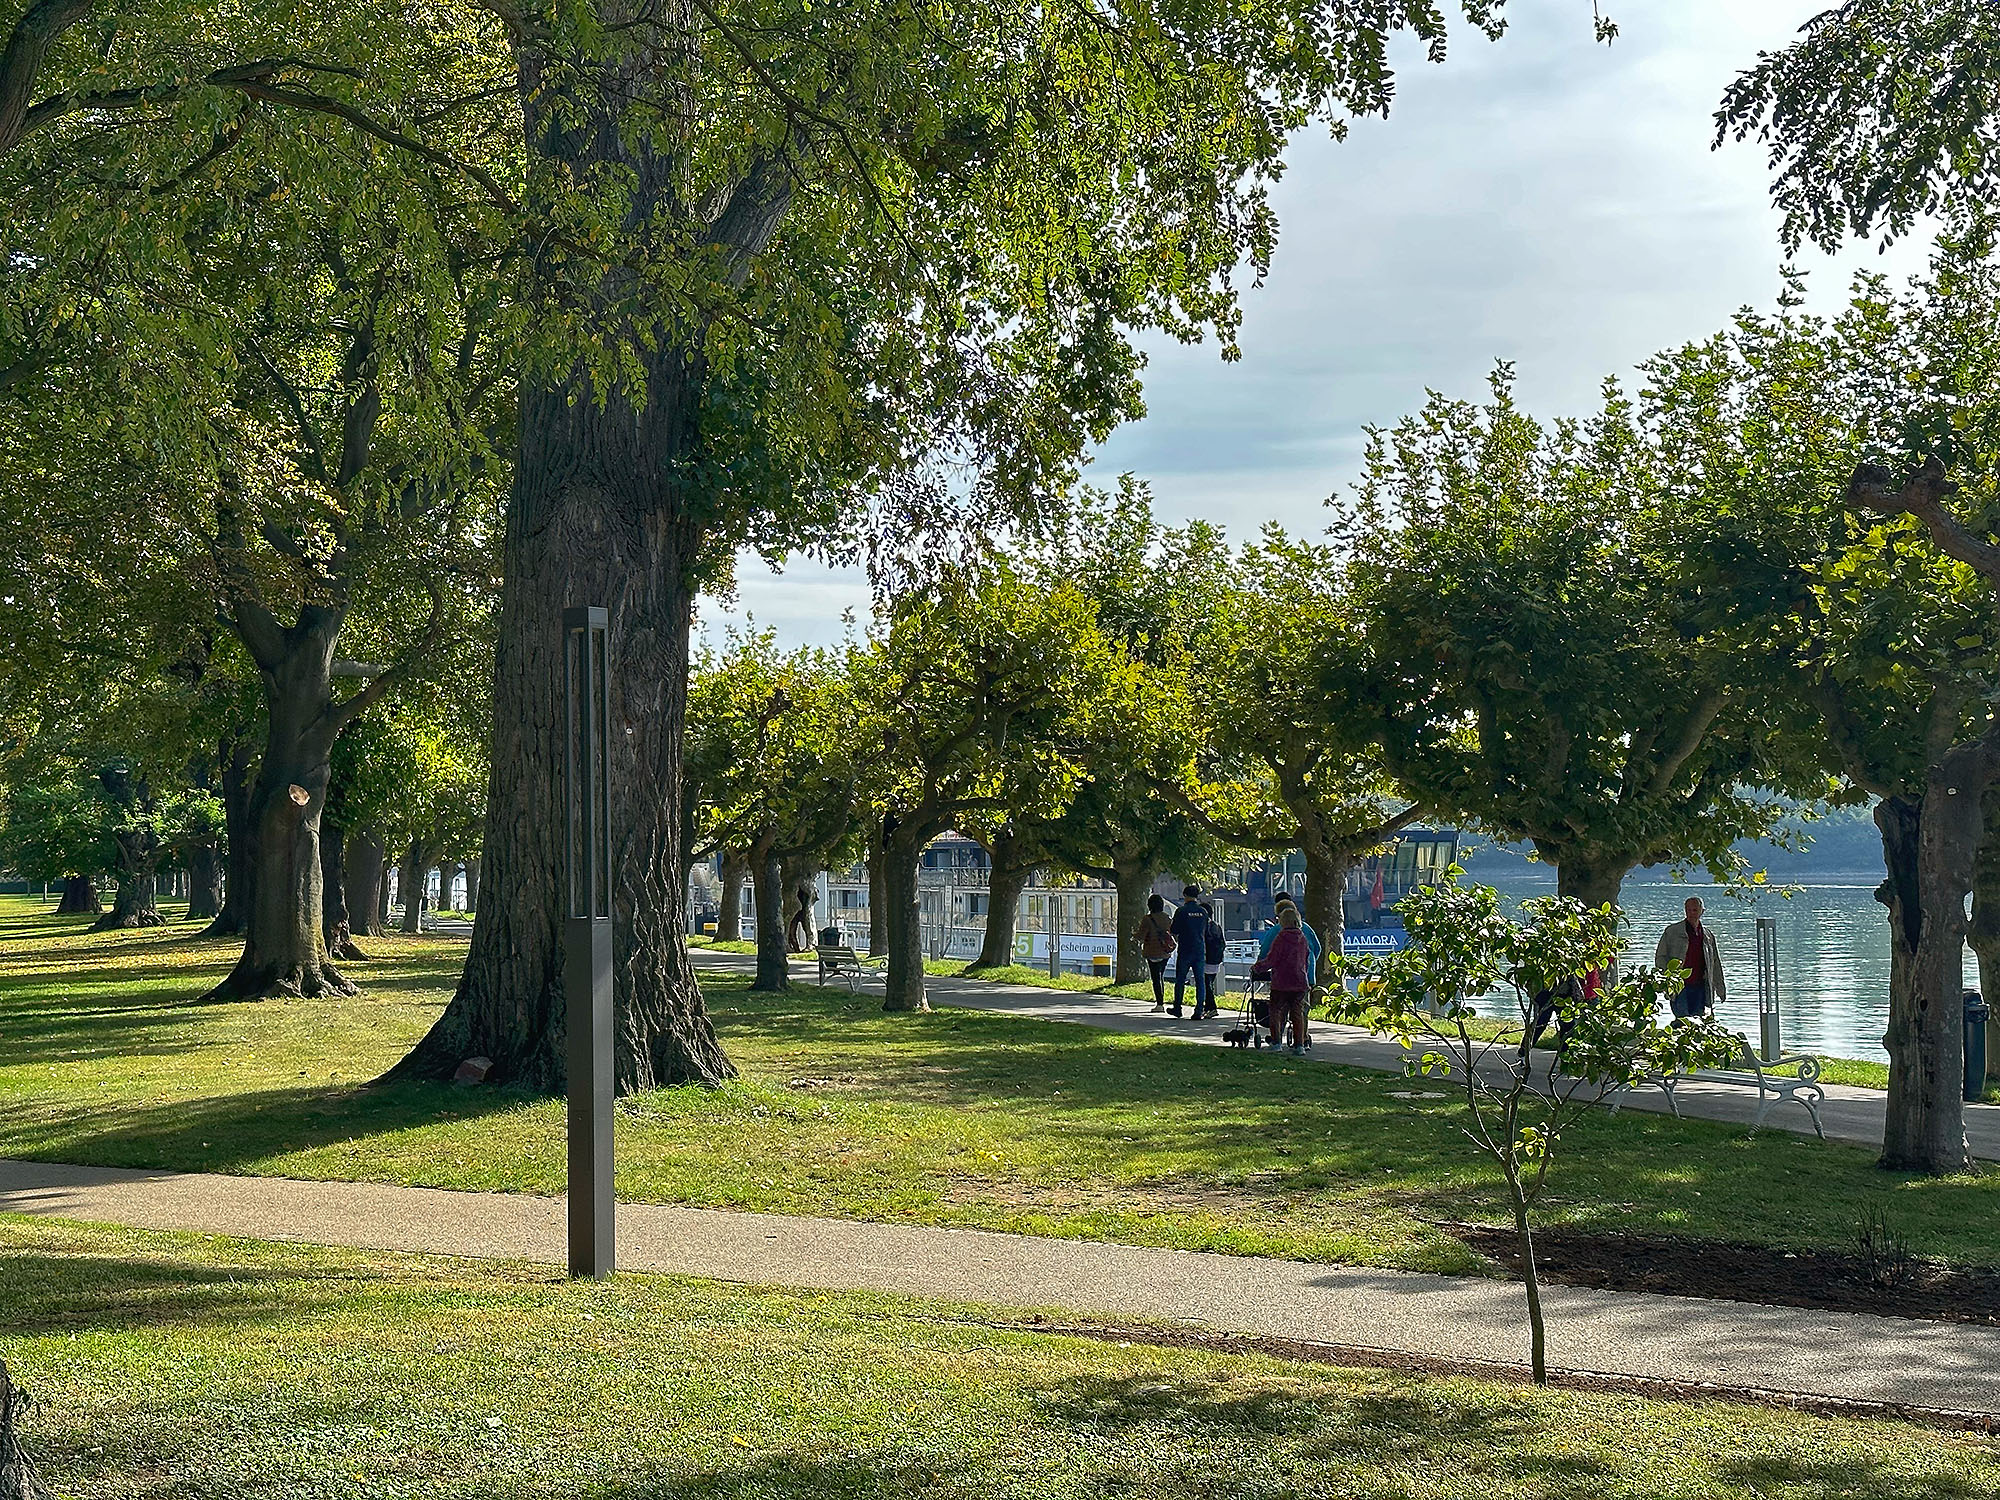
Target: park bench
1778 1080
837 961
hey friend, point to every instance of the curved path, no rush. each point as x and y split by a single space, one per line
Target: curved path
1464 1320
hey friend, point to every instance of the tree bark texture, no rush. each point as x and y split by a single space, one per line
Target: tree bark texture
735 869
284 951
79 897
363 858
232 918
1003 907
472 885
904 987
773 965
1929 845
336 919
137 901
878 908
1594 879
1135 883
204 882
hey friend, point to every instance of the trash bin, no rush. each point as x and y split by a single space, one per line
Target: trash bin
1976 1011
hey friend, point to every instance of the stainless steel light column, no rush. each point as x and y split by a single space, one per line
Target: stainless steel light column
593 1239
1767 988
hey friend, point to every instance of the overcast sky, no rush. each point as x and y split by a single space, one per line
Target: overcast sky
1544 200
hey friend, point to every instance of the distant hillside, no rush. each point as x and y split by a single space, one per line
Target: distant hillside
1843 844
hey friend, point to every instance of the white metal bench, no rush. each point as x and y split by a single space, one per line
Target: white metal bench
1779 1080
844 963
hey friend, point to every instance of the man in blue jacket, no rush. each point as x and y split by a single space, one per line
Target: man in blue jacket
1190 930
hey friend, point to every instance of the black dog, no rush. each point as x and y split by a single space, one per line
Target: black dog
1239 1036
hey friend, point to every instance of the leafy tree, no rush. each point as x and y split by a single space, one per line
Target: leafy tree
777 736
793 258
979 694
1562 649
1283 750
54 830
1879 113
1517 1111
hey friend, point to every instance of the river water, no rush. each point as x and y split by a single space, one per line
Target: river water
1833 956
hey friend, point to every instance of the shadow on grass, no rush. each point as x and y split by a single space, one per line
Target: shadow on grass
235 1131
47 1294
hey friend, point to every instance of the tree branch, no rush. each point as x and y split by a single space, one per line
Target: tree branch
21 63
428 641
1873 489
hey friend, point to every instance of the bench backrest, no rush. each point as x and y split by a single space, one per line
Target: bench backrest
839 955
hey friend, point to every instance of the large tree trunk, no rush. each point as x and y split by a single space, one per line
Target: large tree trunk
448 886
734 867
364 860
472 885
774 967
596 517
1326 881
79 897
1003 905
232 918
137 901
901 849
410 881
138 845
1930 847
336 919
204 881
1134 881
878 902
1595 879
284 952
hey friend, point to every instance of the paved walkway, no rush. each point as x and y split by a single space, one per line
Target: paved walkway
1854 1115
1839 1355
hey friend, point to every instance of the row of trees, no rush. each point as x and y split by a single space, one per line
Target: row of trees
322 326
1629 640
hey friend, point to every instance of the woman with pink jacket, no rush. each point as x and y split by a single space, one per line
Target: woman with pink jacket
1291 980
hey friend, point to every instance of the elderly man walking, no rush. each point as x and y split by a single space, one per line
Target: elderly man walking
1691 944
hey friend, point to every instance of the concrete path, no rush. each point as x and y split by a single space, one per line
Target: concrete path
1838 1355
1854 1115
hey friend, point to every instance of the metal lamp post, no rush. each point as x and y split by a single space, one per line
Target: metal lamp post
587 938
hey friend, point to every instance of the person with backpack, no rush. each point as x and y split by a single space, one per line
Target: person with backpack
1270 935
1155 937
1190 929
1213 947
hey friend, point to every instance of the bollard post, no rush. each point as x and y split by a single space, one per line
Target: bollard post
587 985
1772 1042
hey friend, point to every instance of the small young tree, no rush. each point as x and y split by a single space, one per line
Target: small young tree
1462 947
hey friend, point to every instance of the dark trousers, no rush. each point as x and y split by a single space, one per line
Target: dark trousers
1157 967
1693 1001
1184 965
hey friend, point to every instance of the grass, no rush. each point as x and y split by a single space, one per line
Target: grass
227 1369
956 1118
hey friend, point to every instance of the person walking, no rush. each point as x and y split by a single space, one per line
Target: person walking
1270 934
1291 979
1691 944
1214 945
1190 929
1155 936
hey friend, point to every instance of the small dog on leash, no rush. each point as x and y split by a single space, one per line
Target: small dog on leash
1239 1037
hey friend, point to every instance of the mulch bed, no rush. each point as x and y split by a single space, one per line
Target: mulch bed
1830 1280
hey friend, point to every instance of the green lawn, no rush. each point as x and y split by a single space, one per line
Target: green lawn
958 1117
171 1365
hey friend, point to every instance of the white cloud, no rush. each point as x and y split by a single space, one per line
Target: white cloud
1544 200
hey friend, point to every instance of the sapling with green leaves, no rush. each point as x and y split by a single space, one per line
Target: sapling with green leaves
1519 1103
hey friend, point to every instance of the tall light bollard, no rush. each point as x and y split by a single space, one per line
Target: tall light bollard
1772 1042
593 1239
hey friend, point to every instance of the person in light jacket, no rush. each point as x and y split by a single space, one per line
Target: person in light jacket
1691 944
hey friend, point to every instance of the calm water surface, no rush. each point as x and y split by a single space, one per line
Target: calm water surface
1833 957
